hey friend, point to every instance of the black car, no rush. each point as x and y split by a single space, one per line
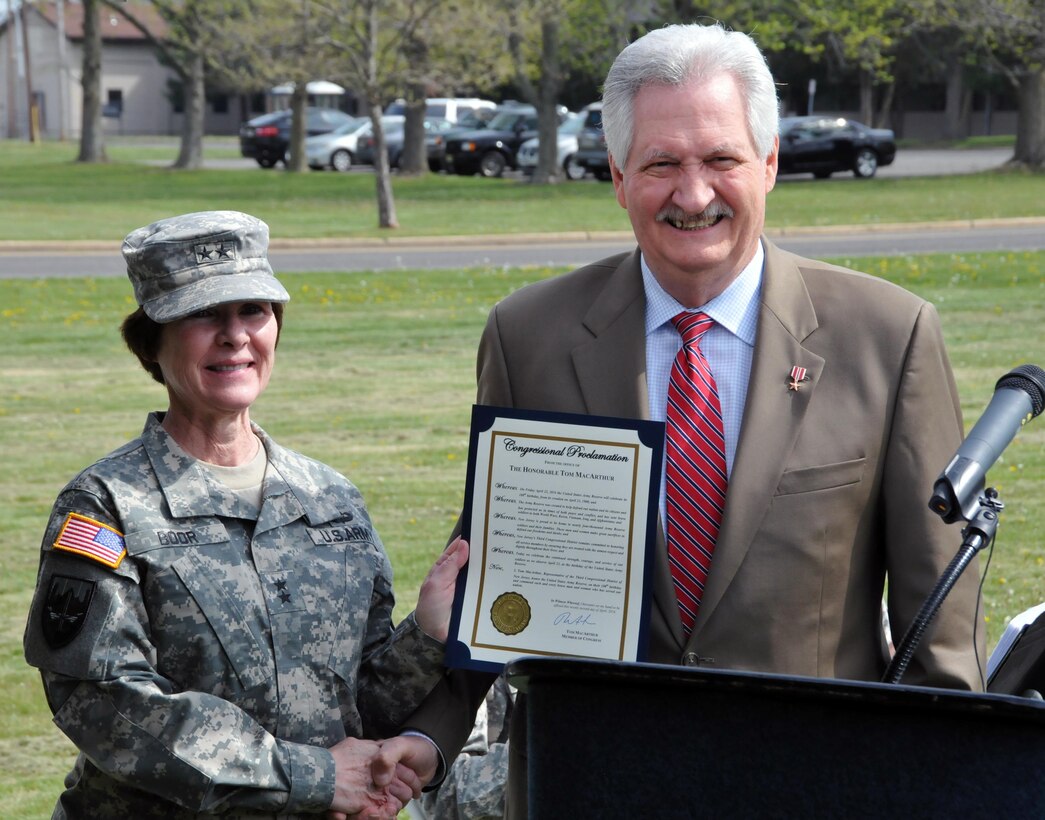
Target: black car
490 150
267 138
591 143
825 145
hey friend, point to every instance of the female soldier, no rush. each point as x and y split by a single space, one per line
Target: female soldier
212 617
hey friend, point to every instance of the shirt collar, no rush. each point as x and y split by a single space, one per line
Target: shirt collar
735 309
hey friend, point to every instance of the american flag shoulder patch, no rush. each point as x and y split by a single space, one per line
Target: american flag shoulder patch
91 539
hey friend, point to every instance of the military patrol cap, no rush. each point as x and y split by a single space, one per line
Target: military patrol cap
190 262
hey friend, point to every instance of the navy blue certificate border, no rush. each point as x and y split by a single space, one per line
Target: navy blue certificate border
650 434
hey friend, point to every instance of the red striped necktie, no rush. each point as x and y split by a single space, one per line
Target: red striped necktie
695 470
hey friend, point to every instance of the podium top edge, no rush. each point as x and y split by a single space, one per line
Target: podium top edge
527 672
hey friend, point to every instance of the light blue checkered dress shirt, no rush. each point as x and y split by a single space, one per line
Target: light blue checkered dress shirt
728 347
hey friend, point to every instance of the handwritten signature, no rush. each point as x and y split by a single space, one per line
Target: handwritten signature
574 619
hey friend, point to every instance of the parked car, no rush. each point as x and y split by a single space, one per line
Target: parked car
591 143
337 149
435 128
826 145
454 109
475 121
565 149
267 138
491 150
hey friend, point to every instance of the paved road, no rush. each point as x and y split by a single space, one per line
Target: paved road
94 259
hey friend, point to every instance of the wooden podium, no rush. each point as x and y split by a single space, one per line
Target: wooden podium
623 740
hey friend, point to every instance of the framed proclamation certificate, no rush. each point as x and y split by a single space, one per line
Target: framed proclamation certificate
560 512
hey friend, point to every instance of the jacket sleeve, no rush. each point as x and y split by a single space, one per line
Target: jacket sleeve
925 433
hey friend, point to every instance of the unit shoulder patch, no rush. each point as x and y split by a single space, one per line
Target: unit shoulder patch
65 611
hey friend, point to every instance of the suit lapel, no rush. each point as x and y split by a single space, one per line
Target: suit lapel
773 414
611 367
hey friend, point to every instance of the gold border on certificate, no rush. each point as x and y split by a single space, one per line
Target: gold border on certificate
561 514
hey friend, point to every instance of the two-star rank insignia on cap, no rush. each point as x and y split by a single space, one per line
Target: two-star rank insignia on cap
91 539
214 251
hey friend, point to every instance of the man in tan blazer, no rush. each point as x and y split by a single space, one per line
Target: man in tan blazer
838 401
828 487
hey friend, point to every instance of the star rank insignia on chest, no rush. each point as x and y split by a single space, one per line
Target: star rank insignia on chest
798 375
281 589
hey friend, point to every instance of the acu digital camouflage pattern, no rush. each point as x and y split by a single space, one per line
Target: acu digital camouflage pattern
222 657
190 262
474 788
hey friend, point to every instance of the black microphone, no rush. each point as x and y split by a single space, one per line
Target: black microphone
1018 397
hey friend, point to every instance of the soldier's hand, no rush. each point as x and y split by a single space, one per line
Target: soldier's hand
437 591
355 792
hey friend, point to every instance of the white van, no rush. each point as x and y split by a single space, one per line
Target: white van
447 108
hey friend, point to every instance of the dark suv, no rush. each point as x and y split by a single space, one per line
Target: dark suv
267 138
591 143
489 151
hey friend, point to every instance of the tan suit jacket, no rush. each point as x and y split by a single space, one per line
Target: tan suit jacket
828 493
829 488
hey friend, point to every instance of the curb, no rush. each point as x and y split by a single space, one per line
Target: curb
572 237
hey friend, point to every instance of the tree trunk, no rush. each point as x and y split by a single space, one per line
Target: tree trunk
954 125
867 97
386 208
190 154
414 158
548 169
885 108
92 142
298 127
1030 124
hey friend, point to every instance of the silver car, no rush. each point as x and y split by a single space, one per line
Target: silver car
340 148
565 150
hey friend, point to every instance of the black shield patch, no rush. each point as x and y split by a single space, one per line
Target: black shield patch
64 614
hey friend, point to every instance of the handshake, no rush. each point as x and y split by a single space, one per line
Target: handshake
375 779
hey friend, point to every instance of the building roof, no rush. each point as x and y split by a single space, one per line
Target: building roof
114 25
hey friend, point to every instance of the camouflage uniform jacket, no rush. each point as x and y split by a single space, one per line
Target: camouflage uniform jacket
208 671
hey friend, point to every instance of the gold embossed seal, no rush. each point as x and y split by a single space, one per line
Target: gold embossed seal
510 613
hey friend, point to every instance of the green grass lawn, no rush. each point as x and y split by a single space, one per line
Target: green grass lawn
376 370
376 377
44 194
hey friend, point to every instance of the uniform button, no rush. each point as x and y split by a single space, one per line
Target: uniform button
690 659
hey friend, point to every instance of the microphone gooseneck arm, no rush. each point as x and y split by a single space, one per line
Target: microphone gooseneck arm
959 492
977 535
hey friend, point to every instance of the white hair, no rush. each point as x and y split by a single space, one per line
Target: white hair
677 54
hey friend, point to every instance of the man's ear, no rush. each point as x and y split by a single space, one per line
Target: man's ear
618 182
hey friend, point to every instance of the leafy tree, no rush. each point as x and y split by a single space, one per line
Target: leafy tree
549 39
1011 33
361 46
195 31
449 49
